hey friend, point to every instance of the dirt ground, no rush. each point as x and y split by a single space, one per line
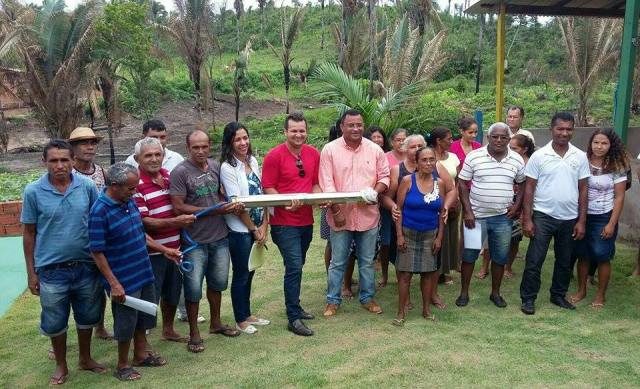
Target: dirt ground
179 117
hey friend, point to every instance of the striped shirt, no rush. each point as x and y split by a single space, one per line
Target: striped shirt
492 181
115 229
154 201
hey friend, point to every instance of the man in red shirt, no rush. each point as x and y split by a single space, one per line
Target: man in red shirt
292 167
154 203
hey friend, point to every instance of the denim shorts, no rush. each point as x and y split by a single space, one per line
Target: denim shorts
496 231
168 280
592 246
77 286
210 261
127 320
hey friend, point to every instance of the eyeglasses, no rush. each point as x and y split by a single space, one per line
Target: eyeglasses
300 167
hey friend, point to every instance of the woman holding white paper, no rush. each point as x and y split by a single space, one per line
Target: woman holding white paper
419 231
240 176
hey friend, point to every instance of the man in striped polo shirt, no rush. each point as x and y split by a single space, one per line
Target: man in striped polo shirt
118 245
492 171
161 223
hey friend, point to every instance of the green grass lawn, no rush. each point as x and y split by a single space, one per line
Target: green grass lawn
479 345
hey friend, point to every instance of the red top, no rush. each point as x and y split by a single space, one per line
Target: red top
456 148
279 172
154 201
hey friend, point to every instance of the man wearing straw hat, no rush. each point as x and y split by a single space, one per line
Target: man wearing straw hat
85 143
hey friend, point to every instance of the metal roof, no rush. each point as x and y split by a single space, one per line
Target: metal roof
596 8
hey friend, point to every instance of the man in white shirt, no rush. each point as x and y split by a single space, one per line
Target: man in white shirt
515 116
555 206
155 128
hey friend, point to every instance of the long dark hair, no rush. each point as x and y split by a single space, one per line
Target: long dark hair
335 132
372 130
228 135
526 143
435 134
617 159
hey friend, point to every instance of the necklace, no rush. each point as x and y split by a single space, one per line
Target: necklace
434 195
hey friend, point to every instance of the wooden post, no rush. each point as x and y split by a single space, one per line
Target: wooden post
630 40
500 62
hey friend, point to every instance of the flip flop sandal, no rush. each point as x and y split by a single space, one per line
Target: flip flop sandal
431 317
398 322
151 361
226 331
597 305
127 374
195 346
55 381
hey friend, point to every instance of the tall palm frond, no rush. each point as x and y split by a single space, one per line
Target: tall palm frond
591 44
355 48
344 92
289 28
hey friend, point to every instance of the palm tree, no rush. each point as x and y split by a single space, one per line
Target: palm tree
344 92
591 44
423 13
349 11
55 53
240 76
354 49
261 5
190 30
322 24
409 58
373 30
289 28
239 7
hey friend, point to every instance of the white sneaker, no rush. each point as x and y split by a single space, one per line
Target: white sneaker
260 322
183 317
249 330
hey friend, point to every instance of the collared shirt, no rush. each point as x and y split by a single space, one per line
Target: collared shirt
235 183
115 229
280 172
170 161
61 219
343 169
556 192
491 192
154 201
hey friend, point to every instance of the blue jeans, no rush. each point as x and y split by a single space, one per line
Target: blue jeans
78 287
210 260
293 243
497 230
240 247
365 242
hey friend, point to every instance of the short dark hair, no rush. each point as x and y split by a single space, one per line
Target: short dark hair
514 107
57 144
564 116
153 124
349 112
396 132
466 123
296 117
196 131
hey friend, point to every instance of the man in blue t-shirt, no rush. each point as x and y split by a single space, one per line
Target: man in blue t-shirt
119 247
55 212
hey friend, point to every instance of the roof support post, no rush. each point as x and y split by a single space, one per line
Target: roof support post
625 79
500 43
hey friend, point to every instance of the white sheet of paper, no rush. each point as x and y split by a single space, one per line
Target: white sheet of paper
473 237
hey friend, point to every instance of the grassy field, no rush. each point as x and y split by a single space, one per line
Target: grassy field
479 345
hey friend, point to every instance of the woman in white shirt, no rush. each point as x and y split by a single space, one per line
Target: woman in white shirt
609 163
240 176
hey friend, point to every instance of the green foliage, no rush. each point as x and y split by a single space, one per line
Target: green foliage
12 184
124 39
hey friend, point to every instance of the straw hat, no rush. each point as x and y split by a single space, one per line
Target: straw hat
83 133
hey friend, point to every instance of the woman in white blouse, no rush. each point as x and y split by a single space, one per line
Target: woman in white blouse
240 176
609 163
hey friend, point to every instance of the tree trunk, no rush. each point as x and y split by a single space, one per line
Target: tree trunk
322 24
106 85
237 97
343 35
237 35
287 81
262 23
373 47
479 58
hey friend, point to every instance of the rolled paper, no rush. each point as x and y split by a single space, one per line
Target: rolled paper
141 305
275 200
